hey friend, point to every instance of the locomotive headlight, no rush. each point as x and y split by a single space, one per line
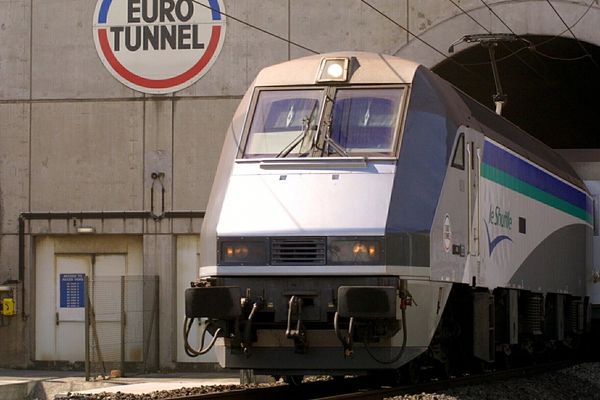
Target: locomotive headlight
247 251
355 251
239 251
333 70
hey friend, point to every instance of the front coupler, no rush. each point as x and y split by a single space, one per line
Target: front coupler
371 311
213 302
220 305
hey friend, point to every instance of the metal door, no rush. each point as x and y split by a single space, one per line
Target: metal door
70 306
106 296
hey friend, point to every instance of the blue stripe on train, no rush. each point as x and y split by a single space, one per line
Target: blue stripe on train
503 160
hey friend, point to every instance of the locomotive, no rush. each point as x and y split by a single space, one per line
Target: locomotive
366 215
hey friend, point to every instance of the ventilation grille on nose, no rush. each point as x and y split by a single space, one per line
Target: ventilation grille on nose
298 251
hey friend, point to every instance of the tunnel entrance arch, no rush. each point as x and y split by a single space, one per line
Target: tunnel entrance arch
553 86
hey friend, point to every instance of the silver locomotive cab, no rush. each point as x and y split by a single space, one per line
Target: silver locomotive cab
345 228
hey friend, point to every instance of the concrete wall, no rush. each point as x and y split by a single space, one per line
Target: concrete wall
586 163
440 23
73 138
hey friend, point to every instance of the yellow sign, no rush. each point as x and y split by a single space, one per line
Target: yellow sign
8 307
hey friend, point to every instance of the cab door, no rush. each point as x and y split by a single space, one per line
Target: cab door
473 209
475 274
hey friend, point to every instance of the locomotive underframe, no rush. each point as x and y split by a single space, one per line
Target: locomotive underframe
295 317
507 326
291 319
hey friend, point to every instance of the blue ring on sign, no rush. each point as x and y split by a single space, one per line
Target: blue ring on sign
214 5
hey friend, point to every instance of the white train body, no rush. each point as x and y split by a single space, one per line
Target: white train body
369 192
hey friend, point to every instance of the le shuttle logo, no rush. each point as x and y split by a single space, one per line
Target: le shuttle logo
158 46
501 219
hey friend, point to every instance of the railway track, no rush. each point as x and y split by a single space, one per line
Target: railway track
440 385
309 390
364 388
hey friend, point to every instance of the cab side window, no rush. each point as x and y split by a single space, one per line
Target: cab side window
458 159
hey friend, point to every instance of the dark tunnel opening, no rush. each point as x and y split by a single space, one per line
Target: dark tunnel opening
553 87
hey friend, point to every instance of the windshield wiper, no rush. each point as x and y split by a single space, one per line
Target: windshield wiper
338 149
300 138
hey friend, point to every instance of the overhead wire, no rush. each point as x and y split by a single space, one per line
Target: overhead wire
530 48
463 65
537 52
535 71
506 57
543 42
421 39
587 10
469 15
535 47
488 31
548 56
403 28
256 27
497 16
573 34
316 52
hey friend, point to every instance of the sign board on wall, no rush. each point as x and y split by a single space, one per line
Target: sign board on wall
72 290
158 46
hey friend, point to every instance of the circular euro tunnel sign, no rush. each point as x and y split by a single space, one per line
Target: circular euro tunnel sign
158 46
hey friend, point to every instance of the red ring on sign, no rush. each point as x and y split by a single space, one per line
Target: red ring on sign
159 83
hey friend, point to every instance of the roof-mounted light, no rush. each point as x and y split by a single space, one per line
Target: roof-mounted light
333 70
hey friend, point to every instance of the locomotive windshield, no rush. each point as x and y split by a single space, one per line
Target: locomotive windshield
364 120
283 119
324 122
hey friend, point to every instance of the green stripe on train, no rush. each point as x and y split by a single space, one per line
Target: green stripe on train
509 181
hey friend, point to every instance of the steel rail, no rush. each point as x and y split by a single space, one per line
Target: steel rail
430 387
309 390
365 388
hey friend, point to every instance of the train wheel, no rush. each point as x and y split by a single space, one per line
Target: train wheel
444 368
411 372
504 360
293 380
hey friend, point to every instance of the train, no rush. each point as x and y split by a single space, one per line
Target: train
367 216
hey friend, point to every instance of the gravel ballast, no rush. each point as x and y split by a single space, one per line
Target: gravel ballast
579 382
